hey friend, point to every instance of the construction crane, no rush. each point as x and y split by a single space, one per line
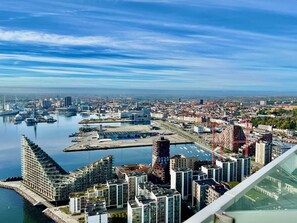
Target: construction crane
214 143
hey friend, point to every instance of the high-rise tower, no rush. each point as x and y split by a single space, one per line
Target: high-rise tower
161 160
67 101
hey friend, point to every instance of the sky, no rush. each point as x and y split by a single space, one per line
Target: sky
248 45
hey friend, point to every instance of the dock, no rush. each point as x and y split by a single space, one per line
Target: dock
36 200
28 194
98 120
90 140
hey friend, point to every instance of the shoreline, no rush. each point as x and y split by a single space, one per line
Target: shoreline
36 200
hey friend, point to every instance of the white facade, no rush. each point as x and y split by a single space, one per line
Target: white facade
263 153
137 116
133 180
213 172
229 169
117 194
181 180
75 205
142 211
243 167
155 204
202 129
100 218
200 193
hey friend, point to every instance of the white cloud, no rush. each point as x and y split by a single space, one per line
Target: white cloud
52 39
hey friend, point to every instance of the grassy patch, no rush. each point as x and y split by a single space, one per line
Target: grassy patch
233 184
118 216
65 210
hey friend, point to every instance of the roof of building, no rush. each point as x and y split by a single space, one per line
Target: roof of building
206 182
158 191
182 169
116 181
269 195
219 188
178 156
96 207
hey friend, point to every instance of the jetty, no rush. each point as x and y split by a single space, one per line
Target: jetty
36 200
123 137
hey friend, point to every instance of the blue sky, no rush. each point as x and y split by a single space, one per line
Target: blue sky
140 44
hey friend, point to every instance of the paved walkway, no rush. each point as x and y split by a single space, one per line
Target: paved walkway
28 194
58 216
53 212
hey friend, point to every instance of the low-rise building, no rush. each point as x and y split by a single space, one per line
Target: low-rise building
181 161
137 115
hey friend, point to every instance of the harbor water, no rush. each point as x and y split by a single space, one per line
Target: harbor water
53 138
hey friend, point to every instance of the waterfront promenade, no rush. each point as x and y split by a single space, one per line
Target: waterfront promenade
51 211
28 194
58 216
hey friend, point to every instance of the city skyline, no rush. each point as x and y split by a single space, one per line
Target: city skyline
174 45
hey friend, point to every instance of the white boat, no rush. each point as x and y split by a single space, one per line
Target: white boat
49 119
18 118
30 121
7 110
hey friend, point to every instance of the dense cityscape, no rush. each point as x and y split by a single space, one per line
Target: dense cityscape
238 136
148 111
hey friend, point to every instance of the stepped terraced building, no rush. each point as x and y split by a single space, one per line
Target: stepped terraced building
44 176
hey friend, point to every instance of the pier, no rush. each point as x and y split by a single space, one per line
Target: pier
91 141
36 200
28 194
107 120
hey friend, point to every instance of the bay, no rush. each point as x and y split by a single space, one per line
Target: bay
53 138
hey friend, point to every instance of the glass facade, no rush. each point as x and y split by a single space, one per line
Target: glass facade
270 195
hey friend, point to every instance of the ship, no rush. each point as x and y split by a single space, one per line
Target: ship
68 112
49 119
9 112
18 119
6 112
30 121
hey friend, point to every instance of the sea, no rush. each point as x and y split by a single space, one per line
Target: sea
53 138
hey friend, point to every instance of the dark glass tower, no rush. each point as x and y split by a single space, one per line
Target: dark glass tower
67 101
